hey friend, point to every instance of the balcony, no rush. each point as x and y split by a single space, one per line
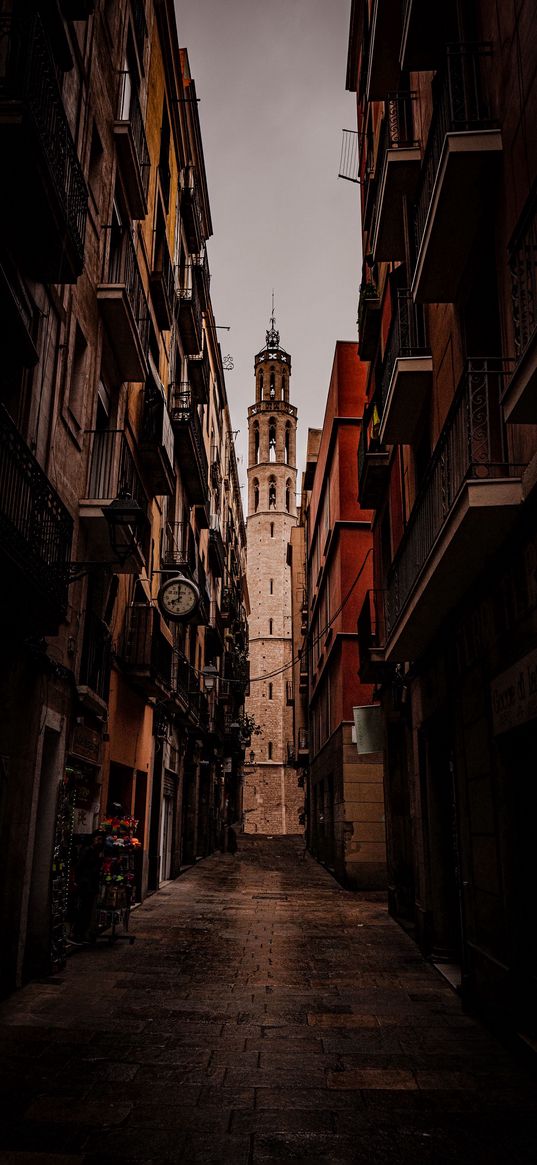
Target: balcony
214 638
124 309
373 469
368 319
156 440
407 373
162 285
398 163
146 650
199 374
35 537
384 43
462 153
131 146
520 398
46 196
423 36
188 314
190 211
217 553
202 275
370 630
111 472
189 445
465 509
179 550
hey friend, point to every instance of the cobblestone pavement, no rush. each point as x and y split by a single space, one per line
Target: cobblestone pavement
264 1014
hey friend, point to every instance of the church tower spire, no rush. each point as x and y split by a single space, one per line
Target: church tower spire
271 795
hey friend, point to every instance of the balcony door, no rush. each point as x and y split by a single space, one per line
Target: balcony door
440 828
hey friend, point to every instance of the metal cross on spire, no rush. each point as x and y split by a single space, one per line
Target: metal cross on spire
273 335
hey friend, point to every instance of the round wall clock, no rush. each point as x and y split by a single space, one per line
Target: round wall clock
178 597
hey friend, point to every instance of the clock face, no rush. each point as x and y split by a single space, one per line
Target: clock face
178 597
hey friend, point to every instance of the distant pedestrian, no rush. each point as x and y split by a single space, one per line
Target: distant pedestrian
232 840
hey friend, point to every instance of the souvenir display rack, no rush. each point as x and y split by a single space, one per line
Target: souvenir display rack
117 876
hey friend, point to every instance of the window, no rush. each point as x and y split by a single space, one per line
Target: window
288 495
256 443
270 691
284 386
287 441
272 529
272 388
95 164
270 626
256 495
79 376
261 384
271 586
269 749
272 494
272 441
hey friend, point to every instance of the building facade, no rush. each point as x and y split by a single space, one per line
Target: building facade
448 162
273 800
346 827
113 416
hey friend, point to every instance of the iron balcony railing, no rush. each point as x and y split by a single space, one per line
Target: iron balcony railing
187 293
401 110
523 264
27 74
144 648
179 546
112 471
407 337
471 446
129 111
185 411
462 105
35 527
122 270
215 619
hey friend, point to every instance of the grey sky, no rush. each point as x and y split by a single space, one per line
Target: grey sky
270 75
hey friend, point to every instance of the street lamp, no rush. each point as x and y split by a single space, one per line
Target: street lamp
126 520
209 674
252 756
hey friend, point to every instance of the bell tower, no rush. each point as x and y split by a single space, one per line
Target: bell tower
272 800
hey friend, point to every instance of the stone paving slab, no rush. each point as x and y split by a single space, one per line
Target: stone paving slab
264 1015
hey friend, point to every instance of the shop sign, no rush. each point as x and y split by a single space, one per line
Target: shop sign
86 744
514 695
368 729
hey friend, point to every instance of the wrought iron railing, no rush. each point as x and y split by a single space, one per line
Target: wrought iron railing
129 111
368 295
27 74
471 446
35 527
407 337
185 411
401 111
523 265
462 105
143 646
179 545
112 471
187 292
121 269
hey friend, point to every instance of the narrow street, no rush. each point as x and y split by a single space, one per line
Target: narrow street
263 1014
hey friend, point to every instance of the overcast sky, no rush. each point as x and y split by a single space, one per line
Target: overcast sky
270 75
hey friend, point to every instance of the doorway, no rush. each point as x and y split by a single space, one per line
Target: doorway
441 845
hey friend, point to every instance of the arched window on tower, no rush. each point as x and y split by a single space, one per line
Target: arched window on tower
261 385
284 386
288 495
256 495
272 493
272 441
287 441
272 389
256 443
